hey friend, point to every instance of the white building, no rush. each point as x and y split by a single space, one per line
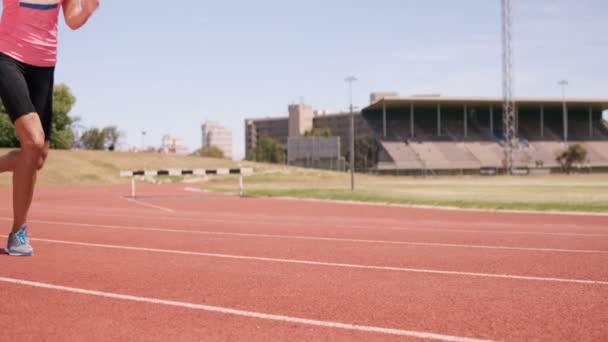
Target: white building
172 145
216 135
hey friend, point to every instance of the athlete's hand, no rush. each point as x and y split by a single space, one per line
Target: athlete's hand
78 12
89 6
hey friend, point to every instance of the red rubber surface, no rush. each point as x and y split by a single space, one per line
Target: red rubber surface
447 304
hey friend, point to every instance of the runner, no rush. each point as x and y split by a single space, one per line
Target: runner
28 54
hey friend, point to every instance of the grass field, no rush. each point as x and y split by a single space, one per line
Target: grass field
97 167
550 192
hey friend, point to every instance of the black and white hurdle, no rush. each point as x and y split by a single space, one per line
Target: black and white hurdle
181 172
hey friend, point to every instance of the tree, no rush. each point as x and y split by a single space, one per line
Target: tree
111 136
211 152
62 139
63 101
61 130
93 139
100 139
572 155
366 152
8 135
318 132
268 150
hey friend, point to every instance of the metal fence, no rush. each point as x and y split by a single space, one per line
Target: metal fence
316 152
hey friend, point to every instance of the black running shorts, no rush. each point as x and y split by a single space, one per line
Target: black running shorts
27 89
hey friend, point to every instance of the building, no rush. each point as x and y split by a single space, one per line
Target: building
213 134
438 134
172 145
446 133
302 118
256 129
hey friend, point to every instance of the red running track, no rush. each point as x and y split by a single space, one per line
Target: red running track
216 269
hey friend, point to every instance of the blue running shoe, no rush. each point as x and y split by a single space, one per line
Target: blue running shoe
19 243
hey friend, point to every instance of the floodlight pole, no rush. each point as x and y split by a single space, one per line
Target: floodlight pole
143 140
509 115
563 84
350 80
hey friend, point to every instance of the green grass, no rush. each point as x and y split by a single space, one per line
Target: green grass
102 167
587 193
582 193
373 197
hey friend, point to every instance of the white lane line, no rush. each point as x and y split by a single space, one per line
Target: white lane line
329 264
244 313
151 205
316 238
438 207
336 221
379 227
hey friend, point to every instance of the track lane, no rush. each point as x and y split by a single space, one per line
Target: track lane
490 308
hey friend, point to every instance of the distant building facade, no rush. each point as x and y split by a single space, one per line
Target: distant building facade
172 145
214 134
302 118
256 129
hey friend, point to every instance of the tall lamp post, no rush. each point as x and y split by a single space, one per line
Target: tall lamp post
563 84
143 140
350 80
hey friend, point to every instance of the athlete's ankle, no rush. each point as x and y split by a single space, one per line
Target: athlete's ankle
17 228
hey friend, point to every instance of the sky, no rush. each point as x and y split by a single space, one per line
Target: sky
165 67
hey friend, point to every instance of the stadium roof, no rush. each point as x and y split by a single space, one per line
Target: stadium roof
403 101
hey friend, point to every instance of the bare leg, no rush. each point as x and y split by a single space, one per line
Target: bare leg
8 162
30 159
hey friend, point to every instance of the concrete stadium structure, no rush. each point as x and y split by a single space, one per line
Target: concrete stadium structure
449 134
302 118
446 133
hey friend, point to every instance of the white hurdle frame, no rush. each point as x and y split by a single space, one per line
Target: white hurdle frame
186 172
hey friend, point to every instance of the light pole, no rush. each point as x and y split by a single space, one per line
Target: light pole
563 84
350 80
143 140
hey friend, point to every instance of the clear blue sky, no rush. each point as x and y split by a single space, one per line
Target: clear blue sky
167 66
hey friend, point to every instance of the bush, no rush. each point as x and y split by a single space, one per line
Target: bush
268 150
574 154
211 152
318 132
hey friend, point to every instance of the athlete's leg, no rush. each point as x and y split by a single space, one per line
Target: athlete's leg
16 99
34 133
33 149
8 162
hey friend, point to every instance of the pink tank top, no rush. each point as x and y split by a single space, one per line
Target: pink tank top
28 31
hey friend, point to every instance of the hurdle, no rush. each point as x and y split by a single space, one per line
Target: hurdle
191 172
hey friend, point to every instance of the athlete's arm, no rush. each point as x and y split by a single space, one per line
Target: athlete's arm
77 12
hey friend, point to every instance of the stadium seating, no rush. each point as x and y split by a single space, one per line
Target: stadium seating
481 149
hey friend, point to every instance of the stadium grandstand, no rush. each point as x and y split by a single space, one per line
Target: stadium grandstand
436 134
445 134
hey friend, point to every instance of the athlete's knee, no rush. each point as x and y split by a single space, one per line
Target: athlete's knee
31 136
33 146
43 156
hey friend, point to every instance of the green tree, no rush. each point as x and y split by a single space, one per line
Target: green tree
100 139
111 136
268 150
366 153
62 136
211 152
318 132
62 139
572 155
8 135
93 139
63 101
